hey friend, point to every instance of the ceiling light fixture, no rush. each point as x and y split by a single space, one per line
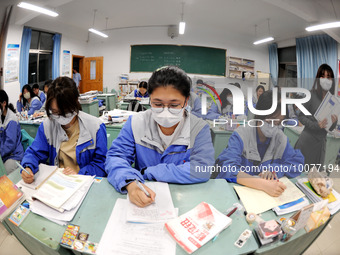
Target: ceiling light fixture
325 25
182 23
95 31
37 9
268 39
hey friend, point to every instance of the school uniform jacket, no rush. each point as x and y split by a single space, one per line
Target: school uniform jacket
33 106
42 97
91 147
242 151
194 104
139 142
10 138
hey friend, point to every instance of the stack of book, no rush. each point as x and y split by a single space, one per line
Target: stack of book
333 197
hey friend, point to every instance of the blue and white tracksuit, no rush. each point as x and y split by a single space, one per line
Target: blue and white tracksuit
245 150
136 93
139 142
10 138
194 105
91 147
31 107
42 96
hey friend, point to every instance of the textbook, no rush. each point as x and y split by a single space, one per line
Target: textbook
45 171
195 228
10 196
258 201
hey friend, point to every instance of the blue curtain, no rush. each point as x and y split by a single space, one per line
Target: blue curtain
24 56
311 52
273 63
56 56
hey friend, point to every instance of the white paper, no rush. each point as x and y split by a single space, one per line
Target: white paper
160 211
125 238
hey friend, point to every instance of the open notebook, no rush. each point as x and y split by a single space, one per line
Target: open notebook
257 201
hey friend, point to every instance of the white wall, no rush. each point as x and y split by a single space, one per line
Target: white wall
116 49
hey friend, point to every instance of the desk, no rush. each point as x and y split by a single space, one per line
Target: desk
112 131
40 236
332 144
110 100
123 105
30 127
2 168
220 139
91 108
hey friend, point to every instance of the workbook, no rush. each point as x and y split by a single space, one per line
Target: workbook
258 201
195 228
10 196
159 211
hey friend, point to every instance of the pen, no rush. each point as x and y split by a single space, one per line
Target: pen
23 168
142 188
275 176
232 211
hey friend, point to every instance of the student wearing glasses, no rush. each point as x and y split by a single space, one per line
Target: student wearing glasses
165 142
69 138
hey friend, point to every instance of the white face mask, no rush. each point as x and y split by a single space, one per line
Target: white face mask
326 84
269 131
230 100
27 95
166 118
64 120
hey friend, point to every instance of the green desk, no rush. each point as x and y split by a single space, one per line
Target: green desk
220 139
2 168
110 100
40 236
30 127
112 131
91 108
332 144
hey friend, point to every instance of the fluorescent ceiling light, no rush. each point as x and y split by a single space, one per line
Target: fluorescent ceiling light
98 32
37 9
264 40
181 27
323 26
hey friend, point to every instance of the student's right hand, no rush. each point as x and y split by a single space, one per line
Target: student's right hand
274 188
323 123
138 197
28 178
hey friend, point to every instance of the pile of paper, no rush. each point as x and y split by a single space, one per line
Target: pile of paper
124 233
333 198
54 195
87 99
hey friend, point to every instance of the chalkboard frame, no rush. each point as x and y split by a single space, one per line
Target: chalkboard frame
225 63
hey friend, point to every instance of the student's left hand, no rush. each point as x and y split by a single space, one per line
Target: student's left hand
268 175
334 118
69 171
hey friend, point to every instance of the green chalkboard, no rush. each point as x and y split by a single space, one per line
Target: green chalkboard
192 59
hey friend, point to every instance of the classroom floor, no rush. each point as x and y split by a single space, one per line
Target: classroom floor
326 244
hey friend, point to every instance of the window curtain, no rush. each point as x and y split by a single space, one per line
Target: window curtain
311 52
273 63
56 56
24 56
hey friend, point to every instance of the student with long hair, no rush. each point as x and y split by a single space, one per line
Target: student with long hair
11 149
312 141
28 101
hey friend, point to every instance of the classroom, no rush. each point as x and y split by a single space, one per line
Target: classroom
169 127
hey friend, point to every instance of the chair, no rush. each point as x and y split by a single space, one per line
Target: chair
26 139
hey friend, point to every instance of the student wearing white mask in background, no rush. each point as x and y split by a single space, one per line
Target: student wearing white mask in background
69 138
28 101
312 141
165 142
266 147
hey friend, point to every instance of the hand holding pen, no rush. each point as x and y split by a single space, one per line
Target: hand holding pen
26 174
140 194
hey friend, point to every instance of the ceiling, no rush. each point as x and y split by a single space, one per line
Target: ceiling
233 18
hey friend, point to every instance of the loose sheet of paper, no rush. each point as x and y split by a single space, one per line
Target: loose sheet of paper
121 237
258 201
160 211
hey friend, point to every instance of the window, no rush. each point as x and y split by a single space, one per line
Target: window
287 67
40 57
